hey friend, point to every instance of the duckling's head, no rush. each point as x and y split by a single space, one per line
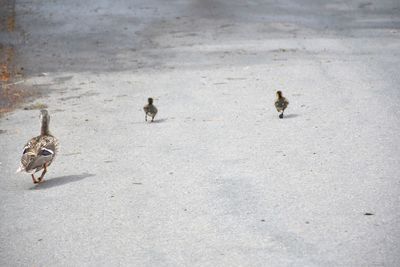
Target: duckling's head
279 94
150 101
44 115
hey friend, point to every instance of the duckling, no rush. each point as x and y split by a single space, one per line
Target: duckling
40 151
281 103
150 110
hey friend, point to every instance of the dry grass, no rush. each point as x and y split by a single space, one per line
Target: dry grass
36 106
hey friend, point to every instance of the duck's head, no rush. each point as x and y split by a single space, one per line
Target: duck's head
45 119
150 101
279 94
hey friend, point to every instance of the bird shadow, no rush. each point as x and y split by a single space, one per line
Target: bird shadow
150 122
159 120
62 180
290 116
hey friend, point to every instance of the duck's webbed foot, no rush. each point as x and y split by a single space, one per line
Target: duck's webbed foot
33 179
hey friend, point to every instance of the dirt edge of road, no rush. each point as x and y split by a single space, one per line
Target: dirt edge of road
12 92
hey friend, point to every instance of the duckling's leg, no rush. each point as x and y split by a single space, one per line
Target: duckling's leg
152 118
145 117
43 173
33 179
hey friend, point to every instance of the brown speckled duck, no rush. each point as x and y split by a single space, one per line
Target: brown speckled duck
150 110
40 151
281 103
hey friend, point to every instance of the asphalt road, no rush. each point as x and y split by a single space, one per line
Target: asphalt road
218 179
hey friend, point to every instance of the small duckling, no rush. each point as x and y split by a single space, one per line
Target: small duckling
40 151
150 110
281 103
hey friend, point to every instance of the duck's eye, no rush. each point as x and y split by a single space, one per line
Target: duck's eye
46 152
25 150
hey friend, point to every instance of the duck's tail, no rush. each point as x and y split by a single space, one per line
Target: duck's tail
20 169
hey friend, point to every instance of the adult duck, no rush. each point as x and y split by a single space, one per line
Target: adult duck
40 151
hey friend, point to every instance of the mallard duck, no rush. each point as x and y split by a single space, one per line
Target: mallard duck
281 103
40 151
150 110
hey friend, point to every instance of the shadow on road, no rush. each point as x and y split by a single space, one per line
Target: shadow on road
58 181
290 116
149 122
159 120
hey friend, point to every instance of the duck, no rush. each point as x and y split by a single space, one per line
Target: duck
281 103
40 151
150 110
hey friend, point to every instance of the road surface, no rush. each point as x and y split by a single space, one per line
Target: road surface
218 179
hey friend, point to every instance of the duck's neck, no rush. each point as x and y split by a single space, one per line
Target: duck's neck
45 126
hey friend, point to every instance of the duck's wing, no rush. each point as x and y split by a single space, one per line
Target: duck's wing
49 144
154 110
281 103
286 102
278 103
28 155
150 109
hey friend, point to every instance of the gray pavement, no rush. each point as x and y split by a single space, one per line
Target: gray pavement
218 179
